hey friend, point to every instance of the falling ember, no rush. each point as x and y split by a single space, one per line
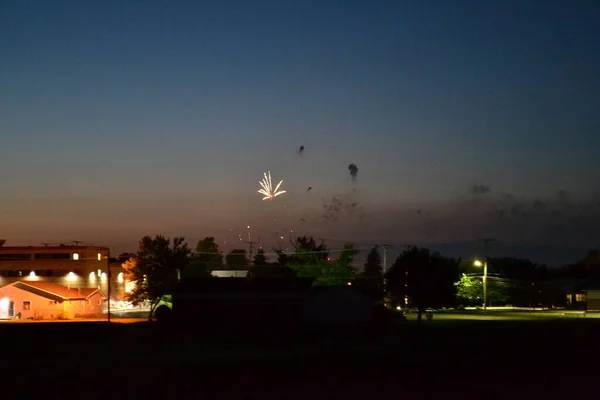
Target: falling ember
267 187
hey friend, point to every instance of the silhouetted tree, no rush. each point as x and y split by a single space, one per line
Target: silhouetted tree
310 260
155 268
307 252
341 270
236 260
260 259
587 268
372 275
427 279
206 258
282 258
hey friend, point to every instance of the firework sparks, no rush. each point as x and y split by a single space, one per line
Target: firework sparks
267 187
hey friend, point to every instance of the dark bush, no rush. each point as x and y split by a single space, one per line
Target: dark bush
163 313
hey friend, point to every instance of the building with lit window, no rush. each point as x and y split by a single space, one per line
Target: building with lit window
75 267
46 300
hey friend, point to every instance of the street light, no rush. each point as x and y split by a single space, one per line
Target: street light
478 263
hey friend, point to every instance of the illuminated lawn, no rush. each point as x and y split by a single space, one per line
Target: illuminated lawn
495 315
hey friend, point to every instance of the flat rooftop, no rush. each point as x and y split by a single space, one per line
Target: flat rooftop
49 248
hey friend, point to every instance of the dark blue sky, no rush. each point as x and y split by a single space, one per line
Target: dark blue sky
119 119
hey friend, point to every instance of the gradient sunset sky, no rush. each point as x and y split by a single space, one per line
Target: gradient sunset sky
466 119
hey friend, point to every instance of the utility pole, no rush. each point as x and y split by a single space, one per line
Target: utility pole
250 247
250 244
486 244
108 276
384 273
384 269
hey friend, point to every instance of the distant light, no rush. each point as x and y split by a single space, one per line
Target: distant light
248 226
398 308
32 274
99 256
477 263
75 256
349 283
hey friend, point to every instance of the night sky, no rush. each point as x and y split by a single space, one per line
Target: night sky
466 119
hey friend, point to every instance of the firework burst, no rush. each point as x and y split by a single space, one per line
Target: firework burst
267 187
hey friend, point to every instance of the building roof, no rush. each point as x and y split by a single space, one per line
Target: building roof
50 248
54 291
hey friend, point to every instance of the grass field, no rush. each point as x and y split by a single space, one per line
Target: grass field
484 357
512 315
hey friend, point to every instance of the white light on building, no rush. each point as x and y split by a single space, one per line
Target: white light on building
120 277
103 276
71 276
129 286
75 256
92 276
4 306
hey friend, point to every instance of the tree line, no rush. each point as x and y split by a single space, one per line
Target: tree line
418 278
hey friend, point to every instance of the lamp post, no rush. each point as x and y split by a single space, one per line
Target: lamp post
108 275
478 263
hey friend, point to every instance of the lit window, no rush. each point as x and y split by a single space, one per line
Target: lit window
26 305
75 256
580 297
99 257
99 272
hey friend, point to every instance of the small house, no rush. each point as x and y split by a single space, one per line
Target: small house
47 300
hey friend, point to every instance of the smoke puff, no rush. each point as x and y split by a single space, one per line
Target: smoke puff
353 170
480 189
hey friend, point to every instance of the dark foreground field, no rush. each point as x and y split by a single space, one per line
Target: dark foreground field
463 359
